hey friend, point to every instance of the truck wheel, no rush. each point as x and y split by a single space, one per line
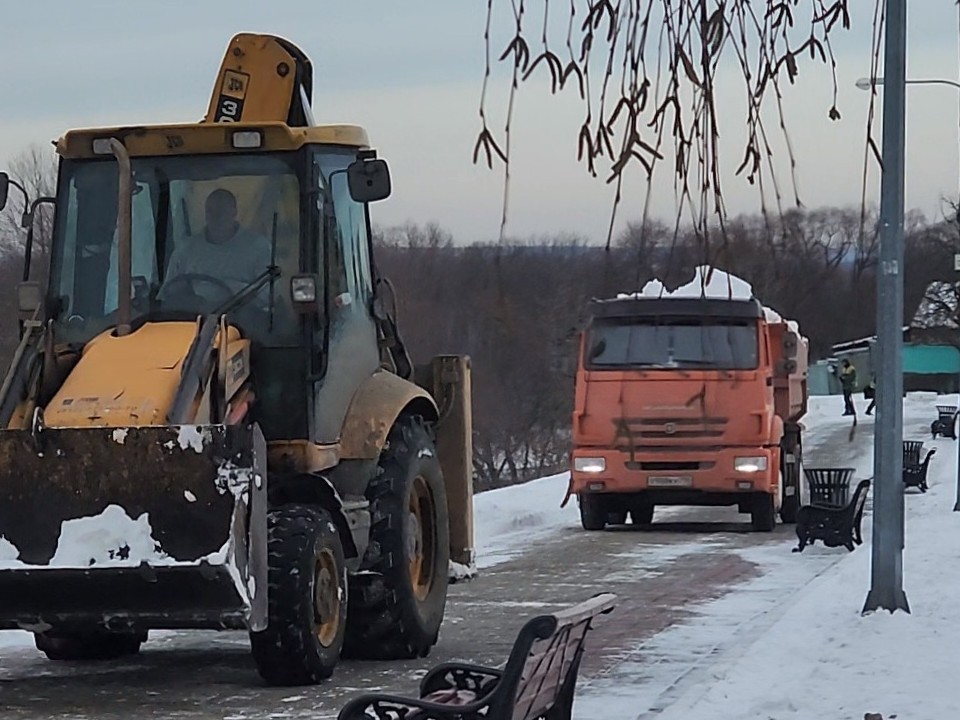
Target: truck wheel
398 601
790 483
307 588
790 505
592 514
642 514
763 515
88 645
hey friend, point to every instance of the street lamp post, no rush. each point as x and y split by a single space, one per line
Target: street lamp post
886 572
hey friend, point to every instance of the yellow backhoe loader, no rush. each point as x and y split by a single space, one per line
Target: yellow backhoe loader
211 420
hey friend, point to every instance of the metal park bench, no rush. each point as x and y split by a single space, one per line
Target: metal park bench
915 469
946 422
538 680
833 526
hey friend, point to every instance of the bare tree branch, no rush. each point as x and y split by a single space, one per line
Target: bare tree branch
658 61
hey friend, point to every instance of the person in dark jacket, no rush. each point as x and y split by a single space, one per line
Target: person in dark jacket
848 381
870 393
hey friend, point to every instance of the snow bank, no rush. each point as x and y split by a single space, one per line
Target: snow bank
720 285
507 521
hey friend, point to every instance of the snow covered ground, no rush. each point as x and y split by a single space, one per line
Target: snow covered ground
818 657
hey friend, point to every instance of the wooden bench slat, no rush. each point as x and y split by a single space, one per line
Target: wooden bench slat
546 668
542 648
586 610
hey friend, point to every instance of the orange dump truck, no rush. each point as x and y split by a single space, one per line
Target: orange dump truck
687 401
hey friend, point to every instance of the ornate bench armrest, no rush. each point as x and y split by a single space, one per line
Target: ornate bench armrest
396 707
477 679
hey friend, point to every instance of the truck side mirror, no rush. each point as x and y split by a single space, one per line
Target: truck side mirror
790 344
29 298
4 189
369 180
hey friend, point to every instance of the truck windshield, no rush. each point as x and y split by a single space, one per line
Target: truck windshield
668 345
203 229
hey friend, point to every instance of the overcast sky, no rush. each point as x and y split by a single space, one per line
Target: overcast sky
411 73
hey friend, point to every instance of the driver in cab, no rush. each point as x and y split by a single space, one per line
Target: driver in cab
225 254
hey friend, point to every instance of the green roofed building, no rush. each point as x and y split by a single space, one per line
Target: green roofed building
930 359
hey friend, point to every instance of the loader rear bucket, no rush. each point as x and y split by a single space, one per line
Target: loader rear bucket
133 527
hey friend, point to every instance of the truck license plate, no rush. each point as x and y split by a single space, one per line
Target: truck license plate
670 481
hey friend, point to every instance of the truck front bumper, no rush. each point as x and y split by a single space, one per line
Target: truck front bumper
675 474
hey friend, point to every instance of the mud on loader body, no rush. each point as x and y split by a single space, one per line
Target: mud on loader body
239 446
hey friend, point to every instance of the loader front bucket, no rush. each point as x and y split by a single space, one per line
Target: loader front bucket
133 527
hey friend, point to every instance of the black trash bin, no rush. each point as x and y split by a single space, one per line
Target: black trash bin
829 487
911 453
946 422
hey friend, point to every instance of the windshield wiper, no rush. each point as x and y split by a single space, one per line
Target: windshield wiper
696 361
272 272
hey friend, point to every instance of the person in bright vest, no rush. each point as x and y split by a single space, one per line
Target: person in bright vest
848 381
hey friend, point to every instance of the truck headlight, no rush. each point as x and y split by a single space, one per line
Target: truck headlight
589 464
750 464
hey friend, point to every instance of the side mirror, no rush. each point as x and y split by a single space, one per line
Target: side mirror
29 298
4 189
790 344
369 180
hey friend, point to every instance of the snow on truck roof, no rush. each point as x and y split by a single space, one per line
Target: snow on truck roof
711 284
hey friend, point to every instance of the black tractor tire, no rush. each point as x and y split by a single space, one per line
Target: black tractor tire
763 516
642 514
592 514
617 517
307 598
88 645
398 600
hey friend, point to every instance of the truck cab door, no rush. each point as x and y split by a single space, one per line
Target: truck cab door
352 351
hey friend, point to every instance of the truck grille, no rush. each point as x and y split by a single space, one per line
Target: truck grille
641 431
670 466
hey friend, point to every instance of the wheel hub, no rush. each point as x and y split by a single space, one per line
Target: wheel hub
421 538
326 597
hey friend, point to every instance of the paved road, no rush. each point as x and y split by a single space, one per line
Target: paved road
661 575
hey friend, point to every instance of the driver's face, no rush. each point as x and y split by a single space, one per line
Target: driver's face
221 217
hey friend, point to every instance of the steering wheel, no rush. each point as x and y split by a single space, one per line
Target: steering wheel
190 278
